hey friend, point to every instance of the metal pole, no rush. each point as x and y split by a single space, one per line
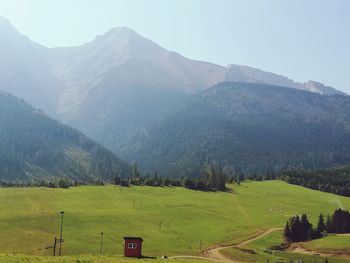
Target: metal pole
61 240
101 247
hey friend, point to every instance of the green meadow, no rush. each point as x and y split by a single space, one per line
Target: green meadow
330 244
172 221
258 250
88 259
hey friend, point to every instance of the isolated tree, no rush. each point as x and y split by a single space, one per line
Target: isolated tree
215 177
116 180
241 177
188 183
166 181
211 175
64 183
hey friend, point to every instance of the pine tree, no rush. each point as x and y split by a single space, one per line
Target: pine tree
321 227
135 170
211 176
305 228
329 225
287 231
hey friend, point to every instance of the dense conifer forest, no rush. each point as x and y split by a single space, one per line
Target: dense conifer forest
336 181
299 229
35 148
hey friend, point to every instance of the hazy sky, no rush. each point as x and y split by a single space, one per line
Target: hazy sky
301 39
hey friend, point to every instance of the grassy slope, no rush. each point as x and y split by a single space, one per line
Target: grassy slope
330 244
29 219
262 254
258 247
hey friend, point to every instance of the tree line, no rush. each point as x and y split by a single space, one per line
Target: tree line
50 183
299 229
336 181
213 179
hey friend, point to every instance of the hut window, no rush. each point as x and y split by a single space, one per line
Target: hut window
132 245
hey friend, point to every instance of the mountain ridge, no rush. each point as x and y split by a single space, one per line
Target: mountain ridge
118 36
237 125
36 147
23 70
241 73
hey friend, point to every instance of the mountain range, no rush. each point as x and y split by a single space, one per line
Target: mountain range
167 112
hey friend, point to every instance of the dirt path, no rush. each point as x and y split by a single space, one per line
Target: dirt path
197 257
263 234
215 254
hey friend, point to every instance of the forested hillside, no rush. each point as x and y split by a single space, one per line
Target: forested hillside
248 128
33 147
335 180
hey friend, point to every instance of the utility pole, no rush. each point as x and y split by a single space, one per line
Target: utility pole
160 226
54 246
101 246
61 240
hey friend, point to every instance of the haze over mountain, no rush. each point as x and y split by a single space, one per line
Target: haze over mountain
120 84
24 72
35 147
121 87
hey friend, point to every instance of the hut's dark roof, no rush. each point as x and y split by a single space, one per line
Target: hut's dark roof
138 238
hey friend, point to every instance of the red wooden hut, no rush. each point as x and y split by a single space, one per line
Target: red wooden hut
133 247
